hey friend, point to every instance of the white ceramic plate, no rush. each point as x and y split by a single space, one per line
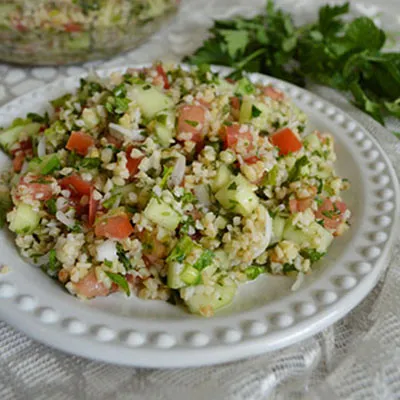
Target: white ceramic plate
266 314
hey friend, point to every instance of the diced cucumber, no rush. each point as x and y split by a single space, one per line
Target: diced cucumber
259 120
174 280
224 87
165 127
150 100
295 234
238 196
244 87
222 258
44 165
245 111
314 235
25 220
224 175
10 136
189 264
312 142
278 226
125 190
90 118
5 204
161 213
79 42
191 276
55 133
201 301
272 175
177 262
324 173
325 237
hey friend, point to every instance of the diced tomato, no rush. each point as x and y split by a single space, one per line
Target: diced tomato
116 226
72 27
240 142
92 208
192 120
76 185
303 204
18 161
273 93
80 142
132 163
19 26
161 72
38 186
331 213
230 80
286 141
300 205
90 287
235 103
323 137
293 206
251 160
25 146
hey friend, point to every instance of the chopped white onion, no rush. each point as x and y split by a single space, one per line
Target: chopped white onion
202 195
179 171
64 219
41 149
132 134
267 234
106 251
24 168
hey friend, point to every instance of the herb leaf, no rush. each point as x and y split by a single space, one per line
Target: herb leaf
335 50
120 280
204 260
296 171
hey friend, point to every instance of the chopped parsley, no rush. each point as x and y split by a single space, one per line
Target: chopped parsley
166 174
312 254
254 271
90 163
120 280
232 186
204 260
51 206
120 91
255 112
122 257
288 268
191 123
38 118
297 170
53 265
181 250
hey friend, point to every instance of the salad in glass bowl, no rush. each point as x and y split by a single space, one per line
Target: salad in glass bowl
70 31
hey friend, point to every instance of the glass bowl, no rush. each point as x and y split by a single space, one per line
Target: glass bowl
39 32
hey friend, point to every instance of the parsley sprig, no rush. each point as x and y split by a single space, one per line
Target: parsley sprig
334 51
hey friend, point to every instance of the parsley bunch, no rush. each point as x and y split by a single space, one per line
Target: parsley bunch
345 55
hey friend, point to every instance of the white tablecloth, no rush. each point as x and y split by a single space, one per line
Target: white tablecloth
357 358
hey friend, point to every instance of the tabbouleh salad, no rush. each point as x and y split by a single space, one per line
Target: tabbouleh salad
171 184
